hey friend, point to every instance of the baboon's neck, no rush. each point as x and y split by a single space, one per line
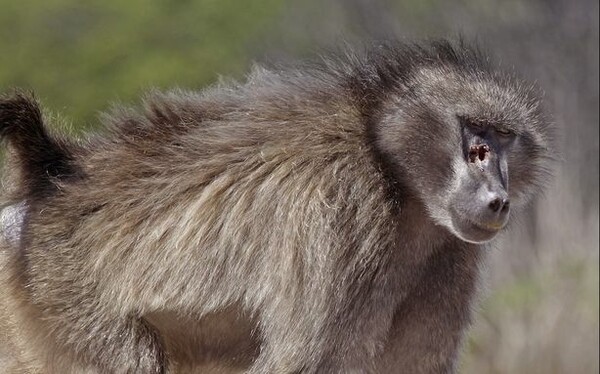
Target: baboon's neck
416 223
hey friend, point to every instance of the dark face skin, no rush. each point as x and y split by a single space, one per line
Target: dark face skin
482 207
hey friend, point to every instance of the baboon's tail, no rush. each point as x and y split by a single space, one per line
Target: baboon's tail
40 158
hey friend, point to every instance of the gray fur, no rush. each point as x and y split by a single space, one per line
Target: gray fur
306 209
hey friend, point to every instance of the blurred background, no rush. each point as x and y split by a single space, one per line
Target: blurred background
539 310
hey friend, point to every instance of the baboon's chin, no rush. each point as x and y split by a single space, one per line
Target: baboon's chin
473 232
476 235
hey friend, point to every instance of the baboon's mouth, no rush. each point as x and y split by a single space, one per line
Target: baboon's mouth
495 226
474 231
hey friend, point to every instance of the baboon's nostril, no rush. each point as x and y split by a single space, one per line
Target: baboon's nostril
483 151
499 204
496 204
473 152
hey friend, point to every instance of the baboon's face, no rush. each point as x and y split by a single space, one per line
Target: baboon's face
472 148
479 205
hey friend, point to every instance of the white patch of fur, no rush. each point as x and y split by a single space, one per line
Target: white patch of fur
11 222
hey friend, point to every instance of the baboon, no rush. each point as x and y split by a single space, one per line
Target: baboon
328 217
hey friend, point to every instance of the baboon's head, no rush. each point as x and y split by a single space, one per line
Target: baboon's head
470 143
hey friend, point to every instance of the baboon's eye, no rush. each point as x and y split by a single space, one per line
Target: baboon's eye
473 123
504 132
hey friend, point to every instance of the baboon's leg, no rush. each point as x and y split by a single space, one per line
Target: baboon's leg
428 327
304 339
105 338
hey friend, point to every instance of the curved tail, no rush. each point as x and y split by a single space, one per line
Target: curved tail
40 158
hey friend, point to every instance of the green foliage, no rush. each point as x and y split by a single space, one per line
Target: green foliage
80 56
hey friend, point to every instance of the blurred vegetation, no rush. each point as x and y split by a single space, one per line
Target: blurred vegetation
539 313
80 56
